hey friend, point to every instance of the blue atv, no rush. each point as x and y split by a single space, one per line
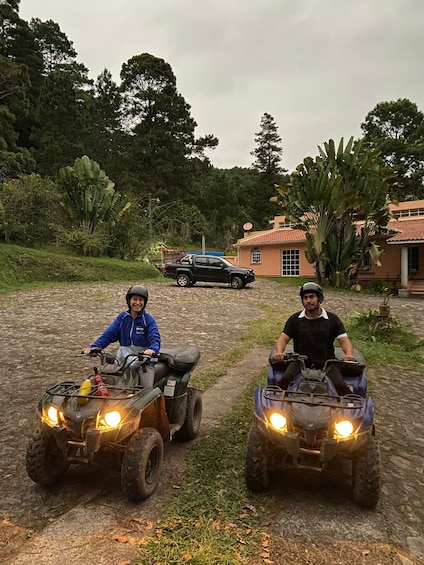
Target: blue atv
310 426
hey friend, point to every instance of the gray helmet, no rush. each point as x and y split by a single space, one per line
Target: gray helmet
137 290
312 287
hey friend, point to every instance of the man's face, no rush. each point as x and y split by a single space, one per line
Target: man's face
310 301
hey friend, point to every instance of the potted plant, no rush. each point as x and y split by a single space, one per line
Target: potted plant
384 306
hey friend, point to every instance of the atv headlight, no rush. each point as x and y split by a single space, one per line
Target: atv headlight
344 428
278 421
112 419
53 415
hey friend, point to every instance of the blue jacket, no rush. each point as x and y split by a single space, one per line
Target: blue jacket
141 331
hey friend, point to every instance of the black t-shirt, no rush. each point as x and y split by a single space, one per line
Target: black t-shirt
314 338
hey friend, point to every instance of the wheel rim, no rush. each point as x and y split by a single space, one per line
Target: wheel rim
152 466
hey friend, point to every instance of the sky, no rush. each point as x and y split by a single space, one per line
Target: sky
317 67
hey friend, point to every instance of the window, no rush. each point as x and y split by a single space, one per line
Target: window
290 263
255 255
287 224
408 213
413 260
366 266
202 261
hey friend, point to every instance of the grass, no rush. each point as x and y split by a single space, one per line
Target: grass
213 519
385 343
260 332
22 268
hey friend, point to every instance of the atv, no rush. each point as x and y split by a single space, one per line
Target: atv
310 426
109 413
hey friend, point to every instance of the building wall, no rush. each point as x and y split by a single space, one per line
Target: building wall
390 264
270 265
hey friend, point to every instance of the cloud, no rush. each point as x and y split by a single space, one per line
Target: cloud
317 67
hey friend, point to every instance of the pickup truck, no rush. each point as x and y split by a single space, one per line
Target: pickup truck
207 268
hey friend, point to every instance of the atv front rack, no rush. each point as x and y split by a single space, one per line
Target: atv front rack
70 389
349 401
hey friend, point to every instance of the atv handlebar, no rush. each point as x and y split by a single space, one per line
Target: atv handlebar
344 363
127 361
288 357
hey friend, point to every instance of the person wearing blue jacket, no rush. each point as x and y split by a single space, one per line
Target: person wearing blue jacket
135 330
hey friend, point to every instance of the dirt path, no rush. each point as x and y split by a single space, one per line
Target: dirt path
42 332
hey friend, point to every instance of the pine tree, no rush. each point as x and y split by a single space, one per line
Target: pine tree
268 154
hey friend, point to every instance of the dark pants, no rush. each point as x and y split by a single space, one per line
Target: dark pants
333 374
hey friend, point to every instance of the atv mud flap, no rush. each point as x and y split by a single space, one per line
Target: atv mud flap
327 451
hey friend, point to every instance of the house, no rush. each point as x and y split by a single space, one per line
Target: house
280 251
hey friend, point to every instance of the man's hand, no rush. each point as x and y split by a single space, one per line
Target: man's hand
278 356
349 358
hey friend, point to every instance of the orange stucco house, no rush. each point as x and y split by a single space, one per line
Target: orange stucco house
280 251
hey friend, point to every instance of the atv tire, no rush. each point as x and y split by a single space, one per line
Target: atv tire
45 463
366 486
256 467
193 418
141 464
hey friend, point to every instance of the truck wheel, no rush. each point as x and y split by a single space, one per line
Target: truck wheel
236 283
141 464
191 426
183 280
256 467
45 463
366 486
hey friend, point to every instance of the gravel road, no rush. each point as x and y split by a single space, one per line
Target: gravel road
318 523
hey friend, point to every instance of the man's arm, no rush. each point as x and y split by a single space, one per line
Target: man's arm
280 346
347 347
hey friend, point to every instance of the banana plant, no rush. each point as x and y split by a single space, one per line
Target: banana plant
89 196
329 197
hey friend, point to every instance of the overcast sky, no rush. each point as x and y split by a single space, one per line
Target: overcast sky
318 67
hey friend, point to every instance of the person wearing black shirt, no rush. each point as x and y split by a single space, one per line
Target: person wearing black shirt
313 331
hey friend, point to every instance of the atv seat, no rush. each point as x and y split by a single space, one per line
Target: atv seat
180 357
161 369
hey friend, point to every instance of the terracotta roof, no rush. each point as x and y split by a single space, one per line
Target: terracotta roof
283 235
409 231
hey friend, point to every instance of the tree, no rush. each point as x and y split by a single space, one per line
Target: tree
330 197
105 138
218 201
54 46
17 53
396 129
267 155
160 128
30 210
62 119
90 202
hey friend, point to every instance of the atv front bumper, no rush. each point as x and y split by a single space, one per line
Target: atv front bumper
83 449
309 449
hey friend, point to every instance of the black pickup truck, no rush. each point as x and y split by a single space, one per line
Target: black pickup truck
207 268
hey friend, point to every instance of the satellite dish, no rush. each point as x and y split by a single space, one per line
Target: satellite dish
247 226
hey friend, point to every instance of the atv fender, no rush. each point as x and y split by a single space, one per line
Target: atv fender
154 416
